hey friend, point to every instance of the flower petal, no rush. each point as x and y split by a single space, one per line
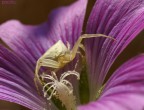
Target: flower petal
30 42
124 90
121 19
15 89
12 63
16 81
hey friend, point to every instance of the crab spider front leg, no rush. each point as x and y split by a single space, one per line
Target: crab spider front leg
78 43
45 63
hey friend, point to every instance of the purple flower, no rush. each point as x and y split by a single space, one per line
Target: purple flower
121 19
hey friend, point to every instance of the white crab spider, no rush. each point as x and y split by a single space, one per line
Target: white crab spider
61 89
59 55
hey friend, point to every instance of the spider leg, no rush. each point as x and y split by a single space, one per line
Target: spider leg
36 85
82 47
68 45
78 52
46 63
77 44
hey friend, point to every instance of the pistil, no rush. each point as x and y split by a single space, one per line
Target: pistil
61 89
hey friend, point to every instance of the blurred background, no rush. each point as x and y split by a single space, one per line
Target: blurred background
36 12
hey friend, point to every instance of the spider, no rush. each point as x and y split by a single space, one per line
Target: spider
59 55
62 89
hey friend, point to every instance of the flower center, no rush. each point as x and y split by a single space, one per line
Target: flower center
61 89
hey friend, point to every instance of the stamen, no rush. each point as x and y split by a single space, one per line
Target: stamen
62 90
67 83
47 85
65 74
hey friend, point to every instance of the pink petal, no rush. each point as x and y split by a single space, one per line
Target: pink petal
121 19
124 90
